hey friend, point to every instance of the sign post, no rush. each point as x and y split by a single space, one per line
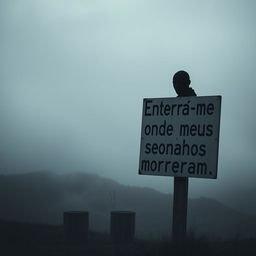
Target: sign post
180 205
180 138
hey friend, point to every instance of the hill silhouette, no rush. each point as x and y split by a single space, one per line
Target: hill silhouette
41 197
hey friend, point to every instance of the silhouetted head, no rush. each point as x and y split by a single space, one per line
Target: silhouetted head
181 82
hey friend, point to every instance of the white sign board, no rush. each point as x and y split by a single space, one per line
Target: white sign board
180 136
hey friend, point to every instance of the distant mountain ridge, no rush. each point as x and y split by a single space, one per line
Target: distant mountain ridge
43 196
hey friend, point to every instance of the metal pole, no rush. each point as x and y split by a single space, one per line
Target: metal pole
180 202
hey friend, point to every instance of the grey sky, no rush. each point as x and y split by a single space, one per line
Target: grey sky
74 73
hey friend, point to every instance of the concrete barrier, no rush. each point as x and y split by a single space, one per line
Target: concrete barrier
76 226
122 227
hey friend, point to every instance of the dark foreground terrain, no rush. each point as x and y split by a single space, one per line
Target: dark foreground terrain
37 239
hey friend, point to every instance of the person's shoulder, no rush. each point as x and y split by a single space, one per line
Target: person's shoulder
191 92
187 92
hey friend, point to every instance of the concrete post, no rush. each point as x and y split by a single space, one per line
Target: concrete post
122 227
76 226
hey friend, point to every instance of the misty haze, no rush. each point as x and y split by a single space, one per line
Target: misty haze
73 78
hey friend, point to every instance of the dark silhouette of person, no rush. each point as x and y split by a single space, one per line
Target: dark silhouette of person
181 82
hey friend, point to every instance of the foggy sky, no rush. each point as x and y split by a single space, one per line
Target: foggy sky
74 74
